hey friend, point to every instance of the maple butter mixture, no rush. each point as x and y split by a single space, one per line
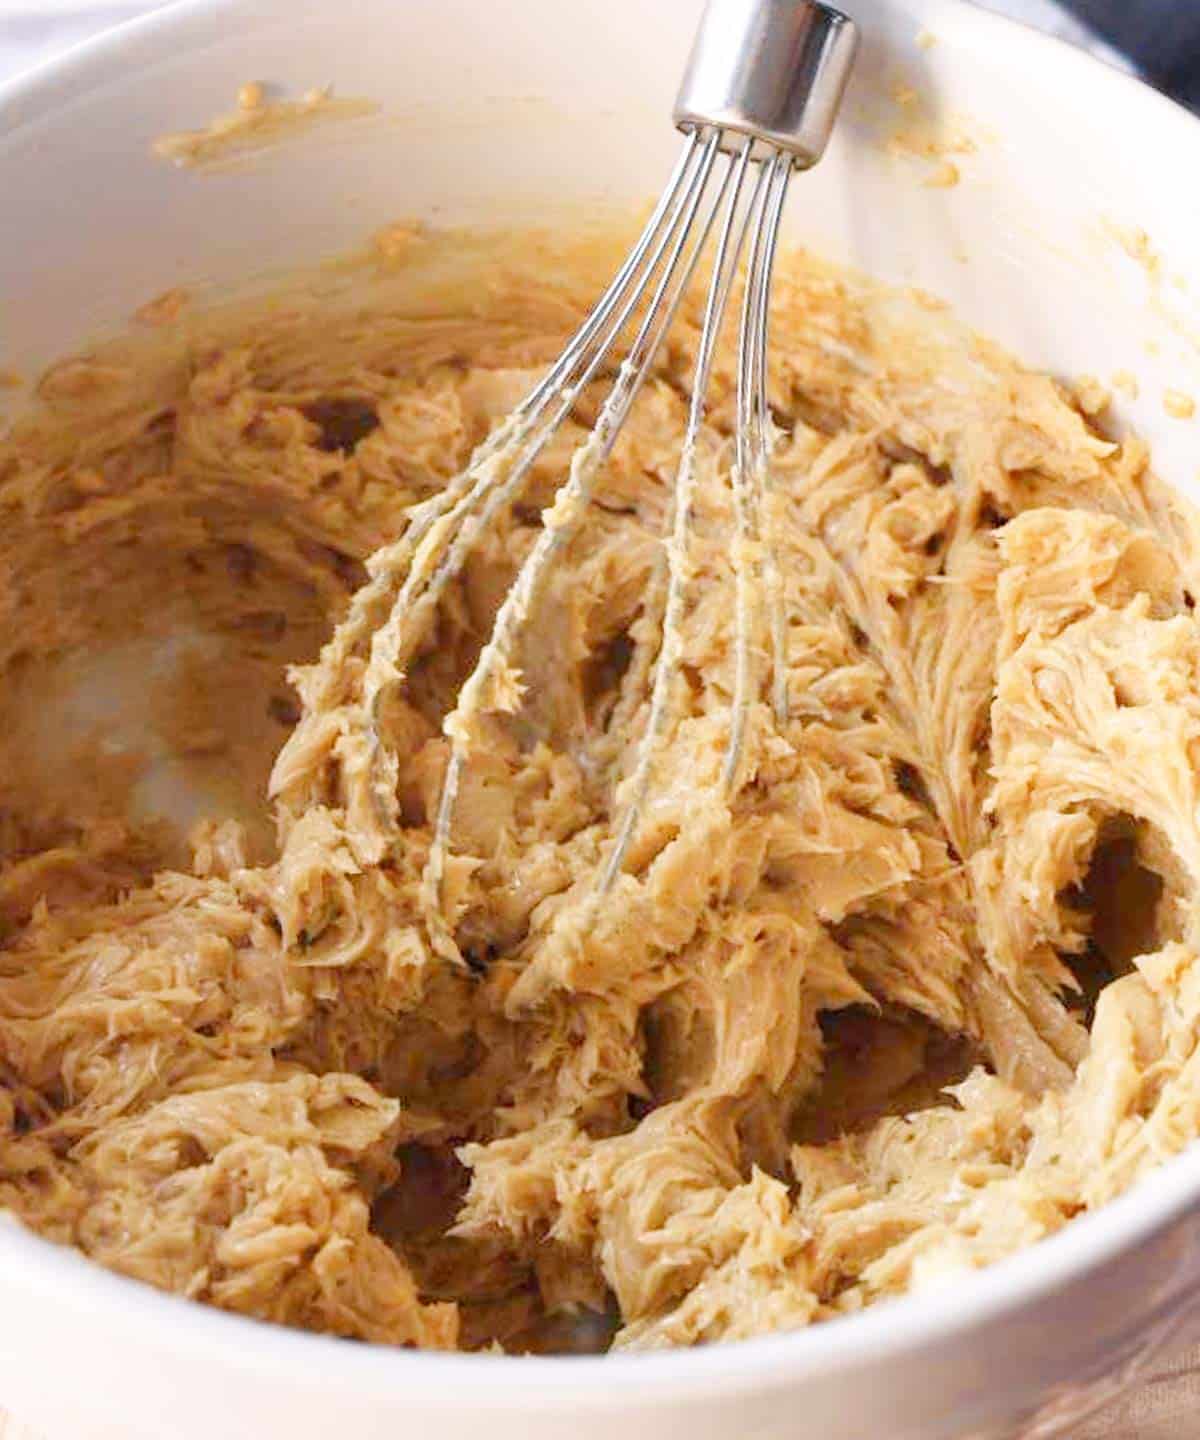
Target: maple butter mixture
923 986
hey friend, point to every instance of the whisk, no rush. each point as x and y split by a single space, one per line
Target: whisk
760 92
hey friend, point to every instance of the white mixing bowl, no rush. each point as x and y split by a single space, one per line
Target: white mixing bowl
532 108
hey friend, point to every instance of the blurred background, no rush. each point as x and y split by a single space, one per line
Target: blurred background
1161 38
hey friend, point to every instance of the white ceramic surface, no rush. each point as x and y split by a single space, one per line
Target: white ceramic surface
531 108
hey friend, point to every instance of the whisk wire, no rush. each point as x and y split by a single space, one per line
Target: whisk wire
764 431
488 483
668 234
395 561
754 551
743 480
678 544
561 520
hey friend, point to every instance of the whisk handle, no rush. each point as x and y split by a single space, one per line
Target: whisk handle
772 69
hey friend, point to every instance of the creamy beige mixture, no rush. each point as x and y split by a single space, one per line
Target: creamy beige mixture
923 989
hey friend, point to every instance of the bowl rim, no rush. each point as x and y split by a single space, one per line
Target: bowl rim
886 1330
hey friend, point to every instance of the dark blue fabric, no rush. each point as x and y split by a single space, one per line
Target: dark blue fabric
1160 36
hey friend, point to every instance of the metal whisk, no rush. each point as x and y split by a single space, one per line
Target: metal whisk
762 88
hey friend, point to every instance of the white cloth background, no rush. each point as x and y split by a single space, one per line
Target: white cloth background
1165 1407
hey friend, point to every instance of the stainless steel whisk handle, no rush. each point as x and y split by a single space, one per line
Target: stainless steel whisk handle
774 70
